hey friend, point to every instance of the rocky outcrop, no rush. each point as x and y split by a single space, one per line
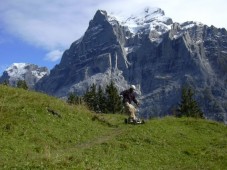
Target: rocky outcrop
152 52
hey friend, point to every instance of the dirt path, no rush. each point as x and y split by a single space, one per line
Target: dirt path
100 139
108 136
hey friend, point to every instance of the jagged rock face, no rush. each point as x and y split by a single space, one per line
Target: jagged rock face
21 71
152 52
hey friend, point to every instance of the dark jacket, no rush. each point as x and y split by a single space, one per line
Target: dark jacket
128 96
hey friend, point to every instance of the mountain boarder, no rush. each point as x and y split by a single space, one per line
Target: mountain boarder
128 98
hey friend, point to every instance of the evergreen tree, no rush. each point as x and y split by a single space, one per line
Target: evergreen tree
113 100
90 98
5 82
87 97
98 101
73 99
188 106
22 84
101 100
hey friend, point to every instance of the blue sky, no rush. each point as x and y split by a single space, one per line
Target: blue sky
38 31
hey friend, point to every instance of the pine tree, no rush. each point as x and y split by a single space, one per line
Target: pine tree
101 100
6 83
90 98
22 84
98 101
188 106
73 99
113 99
86 97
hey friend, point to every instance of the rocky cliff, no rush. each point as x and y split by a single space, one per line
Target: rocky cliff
151 51
22 71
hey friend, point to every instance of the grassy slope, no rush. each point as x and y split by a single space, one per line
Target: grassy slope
31 137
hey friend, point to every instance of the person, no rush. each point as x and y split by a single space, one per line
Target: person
128 97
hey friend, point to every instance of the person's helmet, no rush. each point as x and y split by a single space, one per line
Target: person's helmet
133 87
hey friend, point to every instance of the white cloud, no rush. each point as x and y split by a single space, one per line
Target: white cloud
208 12
54 55
47 24
56 24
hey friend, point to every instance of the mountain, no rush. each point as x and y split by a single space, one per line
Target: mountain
34 138
22 71
151 51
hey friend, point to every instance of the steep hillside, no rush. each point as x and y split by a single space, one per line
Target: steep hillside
34 138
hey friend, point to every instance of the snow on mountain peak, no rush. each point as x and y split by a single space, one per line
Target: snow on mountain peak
148 19
16 70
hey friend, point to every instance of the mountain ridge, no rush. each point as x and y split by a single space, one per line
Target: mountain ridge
158 58
31 73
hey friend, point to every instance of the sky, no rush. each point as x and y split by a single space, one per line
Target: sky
39 31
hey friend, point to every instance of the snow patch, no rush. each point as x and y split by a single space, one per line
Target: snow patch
22 71
148 19
38 74
189 24
224 52
17 70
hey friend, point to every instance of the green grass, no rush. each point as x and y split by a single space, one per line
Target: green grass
33 138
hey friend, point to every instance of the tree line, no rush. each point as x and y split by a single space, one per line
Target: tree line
109 101
99 100
20 84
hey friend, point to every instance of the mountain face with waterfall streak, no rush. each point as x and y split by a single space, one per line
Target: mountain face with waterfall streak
154 53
